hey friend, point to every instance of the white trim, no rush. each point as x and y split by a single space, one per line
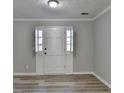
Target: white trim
65 19
30 74
102 80
35 19
102 12
82 73
27 74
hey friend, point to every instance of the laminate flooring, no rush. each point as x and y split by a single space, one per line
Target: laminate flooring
59 84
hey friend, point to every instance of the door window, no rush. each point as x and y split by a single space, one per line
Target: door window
38 40
69 40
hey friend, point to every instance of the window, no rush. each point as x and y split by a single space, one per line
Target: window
69 40
38 41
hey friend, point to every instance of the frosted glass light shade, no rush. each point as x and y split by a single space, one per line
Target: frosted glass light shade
53 3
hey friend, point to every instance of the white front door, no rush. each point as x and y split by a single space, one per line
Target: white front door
54 56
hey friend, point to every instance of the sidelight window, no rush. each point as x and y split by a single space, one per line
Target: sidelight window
69 40
38 41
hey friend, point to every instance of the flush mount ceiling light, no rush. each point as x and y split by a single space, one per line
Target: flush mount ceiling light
53 3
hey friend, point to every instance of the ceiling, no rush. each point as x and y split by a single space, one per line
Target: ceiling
39 9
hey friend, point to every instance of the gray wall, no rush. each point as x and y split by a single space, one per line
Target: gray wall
93 49
102 46
83 56
22 40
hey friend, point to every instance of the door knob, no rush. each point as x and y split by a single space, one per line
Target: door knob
45 53
45 48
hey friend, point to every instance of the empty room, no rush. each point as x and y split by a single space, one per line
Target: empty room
61 46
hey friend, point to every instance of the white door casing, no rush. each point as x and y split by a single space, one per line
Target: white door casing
54 60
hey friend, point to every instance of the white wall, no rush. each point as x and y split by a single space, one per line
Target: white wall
23 55
102 46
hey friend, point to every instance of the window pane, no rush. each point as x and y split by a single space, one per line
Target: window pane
68 33
36 41
68 43
40 33
39 44
72 41
68 39
40 48
40 40
68 47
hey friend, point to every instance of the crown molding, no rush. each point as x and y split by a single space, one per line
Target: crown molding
65 19
102 12
35 19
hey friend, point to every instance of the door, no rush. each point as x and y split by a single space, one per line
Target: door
54 56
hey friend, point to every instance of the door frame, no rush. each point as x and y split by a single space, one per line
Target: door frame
40 58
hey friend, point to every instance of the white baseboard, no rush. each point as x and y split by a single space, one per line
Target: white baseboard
82 73
30 74
27 74
102 80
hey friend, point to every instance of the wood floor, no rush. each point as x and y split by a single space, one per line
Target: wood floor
59 84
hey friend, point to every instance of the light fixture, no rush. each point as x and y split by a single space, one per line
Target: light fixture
53 3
